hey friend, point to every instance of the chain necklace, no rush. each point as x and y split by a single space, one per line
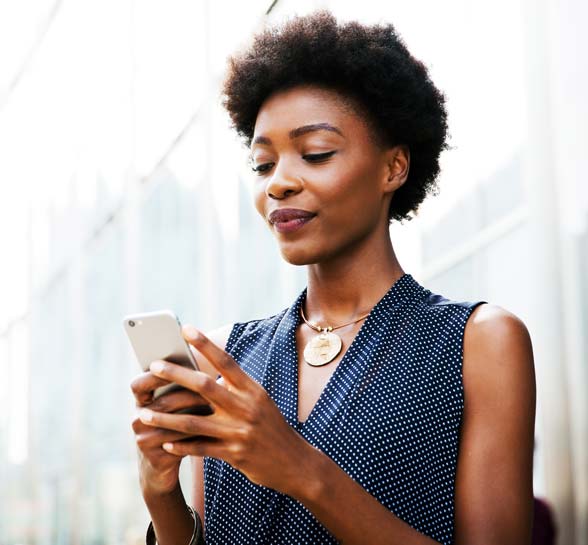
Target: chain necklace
324 347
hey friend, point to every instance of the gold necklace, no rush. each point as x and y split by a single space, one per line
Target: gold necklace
324 347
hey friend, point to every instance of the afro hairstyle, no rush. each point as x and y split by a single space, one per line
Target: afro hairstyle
368 64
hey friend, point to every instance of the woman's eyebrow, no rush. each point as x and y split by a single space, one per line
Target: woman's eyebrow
295 133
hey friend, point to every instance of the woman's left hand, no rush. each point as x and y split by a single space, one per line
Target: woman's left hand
247 429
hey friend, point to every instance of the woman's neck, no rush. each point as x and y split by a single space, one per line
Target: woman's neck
349 285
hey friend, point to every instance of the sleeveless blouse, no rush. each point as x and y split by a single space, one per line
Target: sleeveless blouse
389 416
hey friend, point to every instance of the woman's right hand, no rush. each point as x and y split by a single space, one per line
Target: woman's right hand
158 469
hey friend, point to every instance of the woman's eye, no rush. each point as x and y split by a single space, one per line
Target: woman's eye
310 157
318 157
261 168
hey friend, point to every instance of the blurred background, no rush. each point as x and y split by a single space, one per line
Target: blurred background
122 189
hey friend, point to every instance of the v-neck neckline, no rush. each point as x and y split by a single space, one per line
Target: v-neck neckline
283 361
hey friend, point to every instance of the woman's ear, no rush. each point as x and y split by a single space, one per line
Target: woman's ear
398 162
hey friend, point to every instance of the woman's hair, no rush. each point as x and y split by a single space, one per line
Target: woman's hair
368 65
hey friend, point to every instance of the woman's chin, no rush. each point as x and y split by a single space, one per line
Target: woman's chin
299 255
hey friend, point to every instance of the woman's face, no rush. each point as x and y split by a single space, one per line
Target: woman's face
312 152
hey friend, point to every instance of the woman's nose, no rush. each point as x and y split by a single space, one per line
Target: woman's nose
283 182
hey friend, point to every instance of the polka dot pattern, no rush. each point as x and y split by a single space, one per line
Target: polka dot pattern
389 417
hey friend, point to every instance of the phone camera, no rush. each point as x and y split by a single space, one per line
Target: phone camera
131 323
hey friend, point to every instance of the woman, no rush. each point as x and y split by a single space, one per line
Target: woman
371 410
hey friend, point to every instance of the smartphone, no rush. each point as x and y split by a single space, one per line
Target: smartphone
158 336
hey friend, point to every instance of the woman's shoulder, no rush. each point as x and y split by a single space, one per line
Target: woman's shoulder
256 325
227 335
485 325
429 307
492 326
497 351
437 302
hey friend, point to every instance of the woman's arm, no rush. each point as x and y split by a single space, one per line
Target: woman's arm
494 477
347 510
158 471
494 483
172 522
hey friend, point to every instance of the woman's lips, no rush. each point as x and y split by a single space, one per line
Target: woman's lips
288 220
292 225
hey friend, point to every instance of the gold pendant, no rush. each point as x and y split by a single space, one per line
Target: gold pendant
322 348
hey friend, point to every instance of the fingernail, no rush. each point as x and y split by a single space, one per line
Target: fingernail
146 415
156 366
168 446
192 333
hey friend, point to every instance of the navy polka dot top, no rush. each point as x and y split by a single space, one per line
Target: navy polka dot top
389 417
